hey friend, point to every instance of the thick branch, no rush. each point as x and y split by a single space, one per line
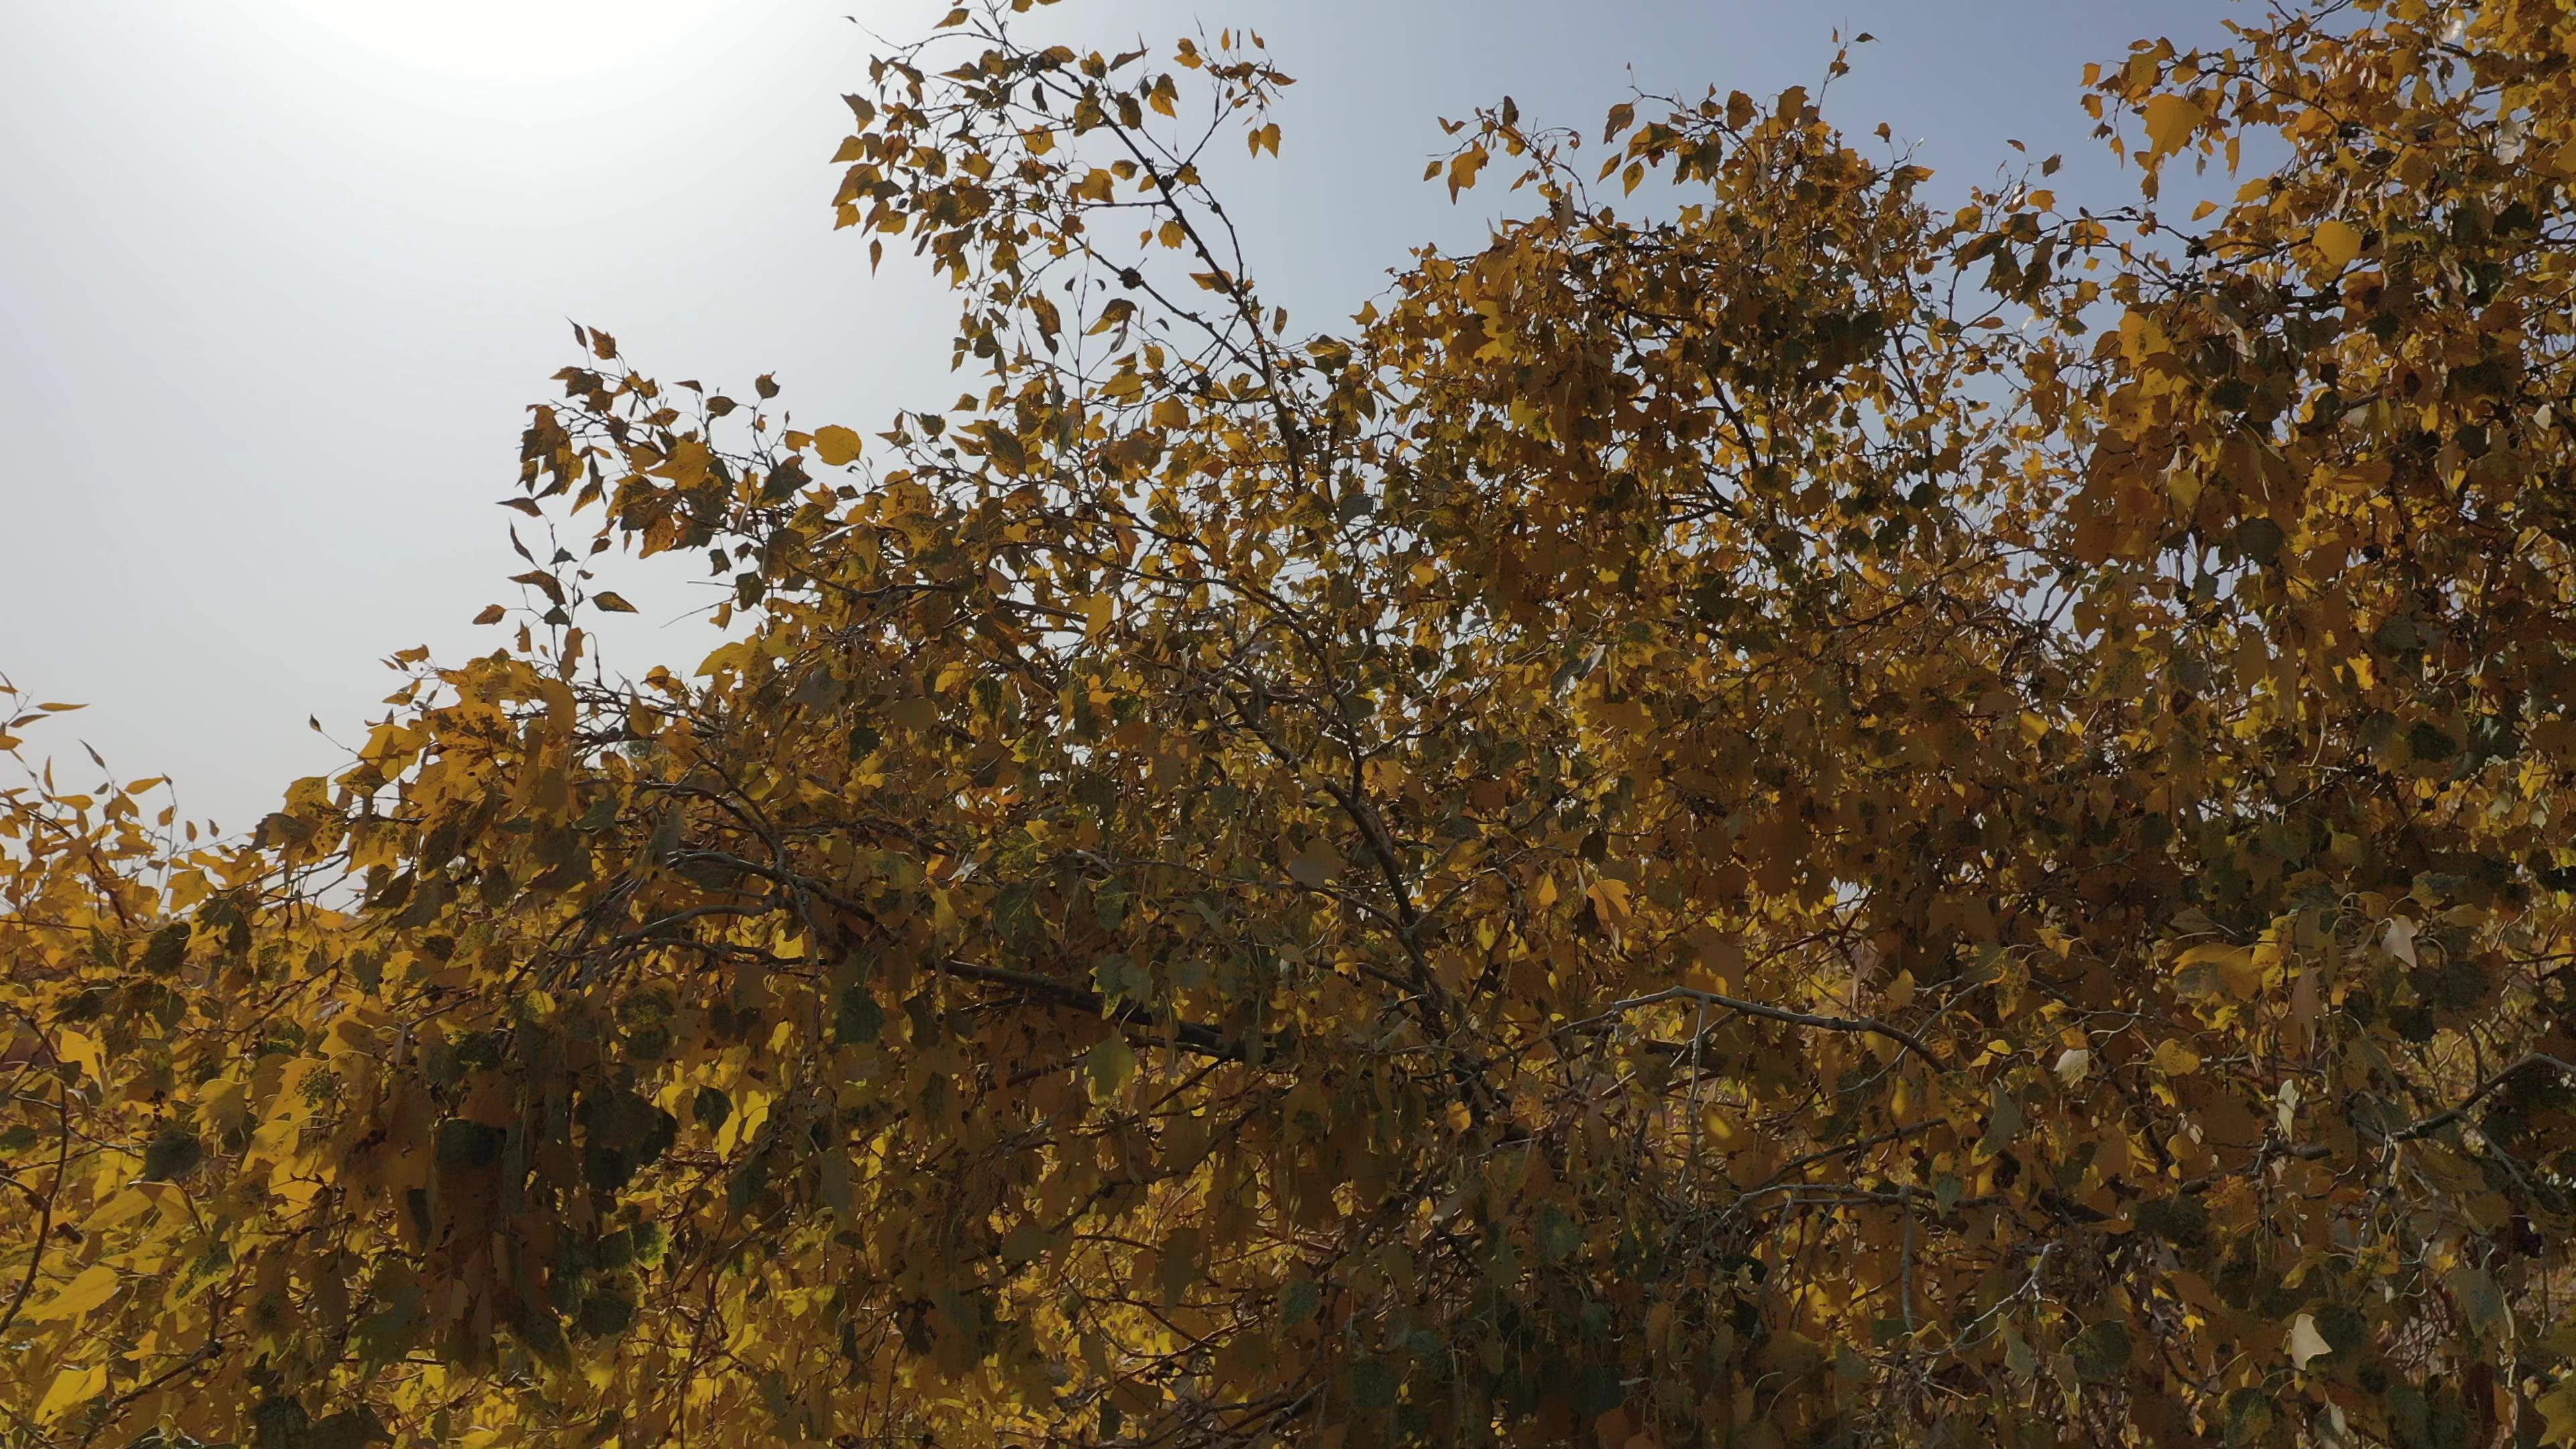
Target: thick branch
1195 1037
1865 1024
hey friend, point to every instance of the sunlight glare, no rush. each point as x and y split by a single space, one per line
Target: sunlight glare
499 42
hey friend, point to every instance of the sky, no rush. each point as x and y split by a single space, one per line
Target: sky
279 278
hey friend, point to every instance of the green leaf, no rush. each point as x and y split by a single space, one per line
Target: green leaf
172 1154
1112 1065
711 1107
2101 1352
280 1424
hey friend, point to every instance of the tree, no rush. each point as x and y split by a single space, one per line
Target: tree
1786 818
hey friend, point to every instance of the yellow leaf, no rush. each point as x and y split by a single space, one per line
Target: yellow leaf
836 445
2558 1408
2339 242
1610 898
72 1387
1099 612
611 602
2171 120
296 1192
2176 1060
94 1286
1463 168
84 1052
127 1204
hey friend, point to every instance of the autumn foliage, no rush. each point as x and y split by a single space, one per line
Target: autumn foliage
1759 813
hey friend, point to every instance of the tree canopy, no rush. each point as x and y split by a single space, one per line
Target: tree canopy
1761 812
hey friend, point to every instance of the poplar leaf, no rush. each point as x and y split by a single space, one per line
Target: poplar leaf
2171 122
2307 1344
84 1051
2397 938
71 1387
95 1285
836 446
2558 1414
2338 242
1314 864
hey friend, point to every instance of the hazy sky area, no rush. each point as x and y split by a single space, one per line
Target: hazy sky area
279 277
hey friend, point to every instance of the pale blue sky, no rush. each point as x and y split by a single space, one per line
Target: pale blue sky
277 277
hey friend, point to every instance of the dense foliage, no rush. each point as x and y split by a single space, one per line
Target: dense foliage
1755 814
